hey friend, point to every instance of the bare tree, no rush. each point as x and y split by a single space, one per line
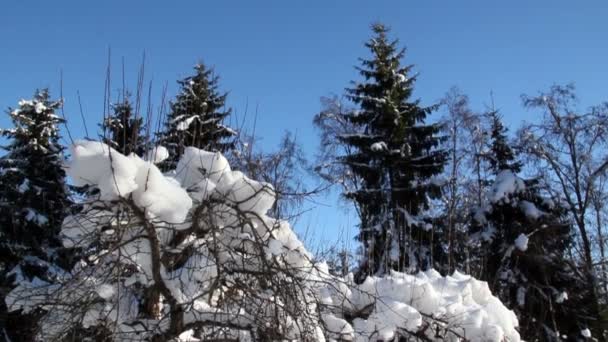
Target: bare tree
196 257
225 272
460 125
599 203
286 168
332 124
570 146
465 180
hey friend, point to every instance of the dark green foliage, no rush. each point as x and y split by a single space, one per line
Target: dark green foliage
528 279
33 193
33 199
123 129
501 156
197 117
531 281
395 155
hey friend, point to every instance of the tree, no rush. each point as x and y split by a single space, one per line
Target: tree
599 204
394 156
122 130
195 255
568 148
285 168
522 237
33 200
463 181
501 156
197 117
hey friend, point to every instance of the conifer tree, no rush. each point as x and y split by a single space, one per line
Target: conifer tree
33 199
197 117
395 155
123 129
522 237
501 156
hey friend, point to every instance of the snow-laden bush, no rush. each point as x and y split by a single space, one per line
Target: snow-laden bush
191 255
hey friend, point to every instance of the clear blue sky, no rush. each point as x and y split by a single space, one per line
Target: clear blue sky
284 55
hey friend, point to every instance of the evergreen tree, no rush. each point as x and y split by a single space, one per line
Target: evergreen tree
196 117
395 155
33 199
522 238
501 156
123 129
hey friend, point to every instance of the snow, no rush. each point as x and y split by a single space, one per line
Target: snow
530 210
521 242
561 297
40 107
185 124
521 296
161 197
105 291
586 333
23 103
194 278
188 335
33 216
488 233
95 163
77 230
157 154
249 195
137 251
386 319
197 165
403 301
337 328
234 243
379 146
505 185
549 202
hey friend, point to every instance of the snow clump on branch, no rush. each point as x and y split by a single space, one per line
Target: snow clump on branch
192 255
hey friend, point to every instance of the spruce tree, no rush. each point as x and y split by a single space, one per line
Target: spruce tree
197 117
395 156
33 200
501 156
522 239
123 129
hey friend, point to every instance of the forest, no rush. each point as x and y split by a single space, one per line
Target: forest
170 224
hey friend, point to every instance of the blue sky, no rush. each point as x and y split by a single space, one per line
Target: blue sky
282 56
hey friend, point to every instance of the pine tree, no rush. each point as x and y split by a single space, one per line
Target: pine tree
522 237
501 156
395 156
196 117
123 129
33 199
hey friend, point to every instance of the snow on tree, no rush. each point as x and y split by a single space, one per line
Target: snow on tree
463 180
394 155
568 149
285 168
197 117
195 257
522 238
33 199
122 129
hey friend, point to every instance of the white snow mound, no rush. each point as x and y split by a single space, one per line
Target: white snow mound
197 253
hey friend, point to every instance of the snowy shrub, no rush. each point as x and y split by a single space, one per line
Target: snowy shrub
192 255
